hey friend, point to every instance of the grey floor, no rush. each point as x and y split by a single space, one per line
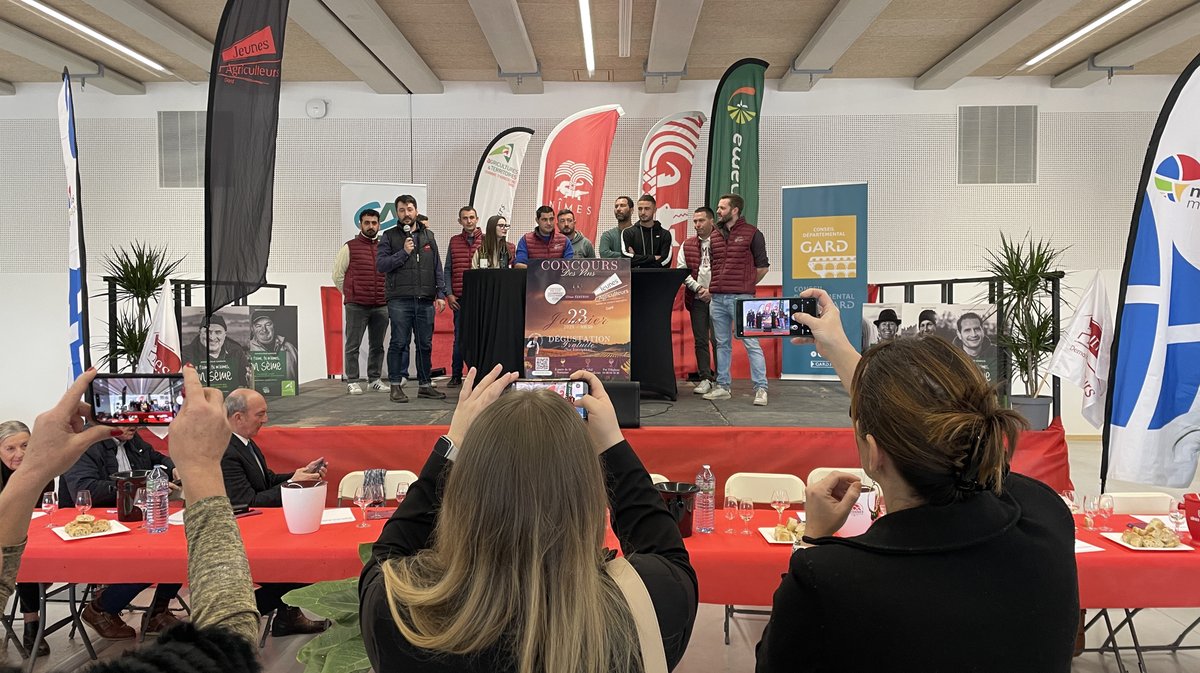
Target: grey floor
707 653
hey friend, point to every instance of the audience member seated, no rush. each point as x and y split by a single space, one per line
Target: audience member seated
93 472
225 621
249 481
14 438
971 568
495 559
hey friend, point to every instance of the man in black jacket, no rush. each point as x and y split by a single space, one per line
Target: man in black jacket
93 472
248 480
648 244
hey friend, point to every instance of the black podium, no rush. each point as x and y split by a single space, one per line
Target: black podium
493 323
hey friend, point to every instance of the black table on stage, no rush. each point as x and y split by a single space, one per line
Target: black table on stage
493 323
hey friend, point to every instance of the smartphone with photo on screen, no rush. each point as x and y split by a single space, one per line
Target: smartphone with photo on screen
135 400
567 389
772 317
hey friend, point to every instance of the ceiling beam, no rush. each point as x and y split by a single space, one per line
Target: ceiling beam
1179 27
7 88
45 53
670 42
505 32
326 29
845 24
993 40
155 25
367 20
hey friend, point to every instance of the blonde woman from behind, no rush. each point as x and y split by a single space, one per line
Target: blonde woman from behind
495 560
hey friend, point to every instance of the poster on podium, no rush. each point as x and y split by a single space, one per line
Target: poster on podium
577 317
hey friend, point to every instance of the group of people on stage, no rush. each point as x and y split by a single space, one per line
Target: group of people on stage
399 278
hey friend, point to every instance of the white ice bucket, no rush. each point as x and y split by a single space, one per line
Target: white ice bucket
860 515
303 507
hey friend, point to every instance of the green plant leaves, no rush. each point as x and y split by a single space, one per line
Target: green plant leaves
335 600
138 271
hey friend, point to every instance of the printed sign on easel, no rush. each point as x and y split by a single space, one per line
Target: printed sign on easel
577 317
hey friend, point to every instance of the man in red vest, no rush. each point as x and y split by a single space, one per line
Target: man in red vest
365 296
544 242
695 256
458 260
739 260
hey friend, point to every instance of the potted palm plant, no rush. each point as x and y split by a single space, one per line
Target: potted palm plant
138 271
1025 271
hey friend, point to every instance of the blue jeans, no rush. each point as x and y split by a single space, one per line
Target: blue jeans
408 315
456 358
723 308
117 597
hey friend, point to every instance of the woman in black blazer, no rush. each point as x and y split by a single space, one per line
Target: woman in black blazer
971 569
495 561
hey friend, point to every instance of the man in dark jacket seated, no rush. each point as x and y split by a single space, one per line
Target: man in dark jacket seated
249 481
93 472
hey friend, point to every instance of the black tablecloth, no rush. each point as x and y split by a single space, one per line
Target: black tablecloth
493 323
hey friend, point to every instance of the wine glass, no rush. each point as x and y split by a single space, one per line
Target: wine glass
1176 514
401 492
731 512
1105 507
362 498
1091 506
1068 497
50 506
780 501
746 512
139 501
83 501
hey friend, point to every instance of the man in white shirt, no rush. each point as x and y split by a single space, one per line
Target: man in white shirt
694 256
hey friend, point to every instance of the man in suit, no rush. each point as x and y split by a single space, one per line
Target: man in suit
92 472
248 480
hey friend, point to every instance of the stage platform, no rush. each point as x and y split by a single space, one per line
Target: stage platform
792 403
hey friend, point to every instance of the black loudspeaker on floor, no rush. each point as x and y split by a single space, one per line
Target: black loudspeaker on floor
626 399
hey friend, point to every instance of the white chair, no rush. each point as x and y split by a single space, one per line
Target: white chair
348 485
759 487
1148 502
821 472
393 478
658 478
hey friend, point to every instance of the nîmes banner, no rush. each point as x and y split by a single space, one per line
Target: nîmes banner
733 136
667 157
577 317
574 162
243 112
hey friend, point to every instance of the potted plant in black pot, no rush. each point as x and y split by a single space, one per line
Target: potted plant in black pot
1025 271
138 270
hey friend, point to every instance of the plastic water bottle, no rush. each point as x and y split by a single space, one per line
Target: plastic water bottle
157 493
705 500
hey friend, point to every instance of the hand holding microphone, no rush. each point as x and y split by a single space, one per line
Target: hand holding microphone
409 245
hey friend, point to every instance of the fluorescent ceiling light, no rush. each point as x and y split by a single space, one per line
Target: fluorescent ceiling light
94 34
589 50
1082 32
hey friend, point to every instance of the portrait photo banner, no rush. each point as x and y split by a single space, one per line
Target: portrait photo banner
824 246
668 154
577 317
499 170
574 163
733 136
1153 431
239 159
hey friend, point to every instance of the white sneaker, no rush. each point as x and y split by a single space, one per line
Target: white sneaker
703 387
760 397
377 385
354 388
717 393
403 380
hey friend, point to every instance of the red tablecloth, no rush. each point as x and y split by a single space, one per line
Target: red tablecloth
732 568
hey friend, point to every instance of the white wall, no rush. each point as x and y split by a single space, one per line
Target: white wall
903 142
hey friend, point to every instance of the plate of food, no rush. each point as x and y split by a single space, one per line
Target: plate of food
1153 536
86 525
784 533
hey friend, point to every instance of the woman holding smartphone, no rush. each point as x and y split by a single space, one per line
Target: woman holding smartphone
971 568
495 560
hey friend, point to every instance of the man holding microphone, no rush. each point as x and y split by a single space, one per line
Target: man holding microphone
415 285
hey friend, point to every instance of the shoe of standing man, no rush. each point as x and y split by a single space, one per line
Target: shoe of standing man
455 382
717 393
397 394
377 385
760 397
354 388
703 388
430 393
